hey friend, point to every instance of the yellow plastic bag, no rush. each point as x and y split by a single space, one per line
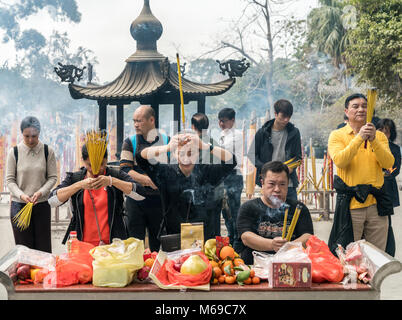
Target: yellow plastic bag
114 265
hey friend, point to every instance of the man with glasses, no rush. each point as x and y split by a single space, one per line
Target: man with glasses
147 213
232 140
261 220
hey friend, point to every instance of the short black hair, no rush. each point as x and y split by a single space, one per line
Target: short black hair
390 124
200 121
85 154
354 96
30 122
283 106
227 113
274 166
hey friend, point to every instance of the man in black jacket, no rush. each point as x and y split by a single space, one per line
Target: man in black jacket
277 140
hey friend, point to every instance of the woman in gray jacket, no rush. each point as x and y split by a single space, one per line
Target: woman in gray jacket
31 174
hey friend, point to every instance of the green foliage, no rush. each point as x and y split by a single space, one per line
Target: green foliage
326 29
375 54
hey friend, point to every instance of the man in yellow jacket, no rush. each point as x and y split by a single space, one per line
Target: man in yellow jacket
357 165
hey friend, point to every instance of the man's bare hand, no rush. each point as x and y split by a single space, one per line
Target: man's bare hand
277 243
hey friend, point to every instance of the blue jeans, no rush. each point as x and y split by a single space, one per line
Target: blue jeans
233 185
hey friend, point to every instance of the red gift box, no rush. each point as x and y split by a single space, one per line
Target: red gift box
291 274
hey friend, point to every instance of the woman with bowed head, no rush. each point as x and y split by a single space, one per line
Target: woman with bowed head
30 175
97 201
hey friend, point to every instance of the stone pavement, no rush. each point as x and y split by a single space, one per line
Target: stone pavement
391 287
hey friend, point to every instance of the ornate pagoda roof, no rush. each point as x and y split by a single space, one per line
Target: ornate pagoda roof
147 72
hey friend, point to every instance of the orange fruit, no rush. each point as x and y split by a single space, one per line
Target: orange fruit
255 280
213 263
238 261
221 279
225 264
247 281
227 252
252 273
215 281
217 272
149 262
230 279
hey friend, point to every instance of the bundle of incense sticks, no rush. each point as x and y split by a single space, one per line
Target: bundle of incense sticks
23 218
293 223
291 163
96 142
371 99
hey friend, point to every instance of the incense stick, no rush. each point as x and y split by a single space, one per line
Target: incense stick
294 222
23 218
181 91
96 142
285 221
371 99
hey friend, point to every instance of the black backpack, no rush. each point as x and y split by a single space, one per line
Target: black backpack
16 153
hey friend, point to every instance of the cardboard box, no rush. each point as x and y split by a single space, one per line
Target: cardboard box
291 274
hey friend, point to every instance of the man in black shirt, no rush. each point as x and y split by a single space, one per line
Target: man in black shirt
186 184
147 213
260 221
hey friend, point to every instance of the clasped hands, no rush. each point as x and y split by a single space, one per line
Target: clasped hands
190 139
368 131
95 183
33 199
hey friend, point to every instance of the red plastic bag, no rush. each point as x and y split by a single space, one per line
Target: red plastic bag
324 265
168 275
71 268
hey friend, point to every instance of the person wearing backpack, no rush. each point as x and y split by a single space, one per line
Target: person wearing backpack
144 214
30 175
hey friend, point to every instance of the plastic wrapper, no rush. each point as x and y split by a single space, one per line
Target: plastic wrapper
261 265
166 274
290 267
114 265
33 259
74 267
325 267
356 265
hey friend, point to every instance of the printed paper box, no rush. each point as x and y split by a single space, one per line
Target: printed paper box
291 274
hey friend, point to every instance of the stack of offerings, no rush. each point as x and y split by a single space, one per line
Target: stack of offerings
184 268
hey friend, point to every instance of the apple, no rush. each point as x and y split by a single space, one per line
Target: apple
177 267
24 272
193 265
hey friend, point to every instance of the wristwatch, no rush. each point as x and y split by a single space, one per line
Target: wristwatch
210 146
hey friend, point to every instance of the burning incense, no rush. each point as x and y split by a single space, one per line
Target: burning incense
250 168
371 99
23 217
181 91
285 221
96 142
294 222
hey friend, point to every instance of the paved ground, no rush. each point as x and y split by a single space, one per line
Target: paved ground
391 287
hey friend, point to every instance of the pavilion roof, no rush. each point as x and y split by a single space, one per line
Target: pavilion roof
141 79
